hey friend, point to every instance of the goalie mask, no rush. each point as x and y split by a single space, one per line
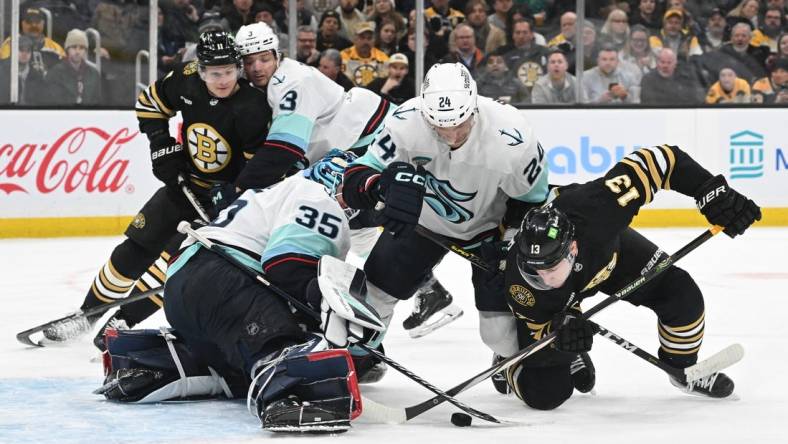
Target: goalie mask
545 248
329 171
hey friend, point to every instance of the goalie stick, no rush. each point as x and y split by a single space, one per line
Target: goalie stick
408 413
25 336
185 227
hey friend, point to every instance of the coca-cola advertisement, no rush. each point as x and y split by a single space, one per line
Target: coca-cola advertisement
73 164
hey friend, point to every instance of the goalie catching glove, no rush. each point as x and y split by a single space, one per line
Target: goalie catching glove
345 317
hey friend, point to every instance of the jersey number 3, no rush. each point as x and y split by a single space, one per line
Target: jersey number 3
328 225
623 184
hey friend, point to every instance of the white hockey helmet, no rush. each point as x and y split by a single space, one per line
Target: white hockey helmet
257 37
448 95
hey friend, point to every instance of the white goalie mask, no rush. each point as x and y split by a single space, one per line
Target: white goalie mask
257 37
448 95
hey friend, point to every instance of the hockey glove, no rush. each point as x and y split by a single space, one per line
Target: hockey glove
574 334
726 207
222 195
402 188
168 160
340 332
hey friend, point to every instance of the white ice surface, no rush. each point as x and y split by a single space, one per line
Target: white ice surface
45 393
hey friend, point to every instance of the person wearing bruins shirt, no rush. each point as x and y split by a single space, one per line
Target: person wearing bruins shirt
580 243
362 62
224 123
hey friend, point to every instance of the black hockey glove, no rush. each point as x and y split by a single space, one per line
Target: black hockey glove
574 335
222 195
726 207
168 160
402 189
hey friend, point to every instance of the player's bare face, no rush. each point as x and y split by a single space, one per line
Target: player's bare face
260 67
556 276
221 81
455 136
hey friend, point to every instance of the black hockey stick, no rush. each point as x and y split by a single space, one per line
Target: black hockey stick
185 227
192 198
401 415
24 337
718 361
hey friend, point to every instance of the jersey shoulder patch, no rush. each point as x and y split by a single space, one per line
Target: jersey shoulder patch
190 68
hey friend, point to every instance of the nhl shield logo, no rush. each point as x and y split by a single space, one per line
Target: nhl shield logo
522 295
138 221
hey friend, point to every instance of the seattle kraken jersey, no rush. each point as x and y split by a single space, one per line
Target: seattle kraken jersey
220 134
601 211
295 219
312 114
467 188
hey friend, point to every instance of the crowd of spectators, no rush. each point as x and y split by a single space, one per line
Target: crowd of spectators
653 52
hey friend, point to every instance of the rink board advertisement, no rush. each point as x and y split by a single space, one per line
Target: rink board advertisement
88 172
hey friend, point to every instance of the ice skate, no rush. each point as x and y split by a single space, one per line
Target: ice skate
432 310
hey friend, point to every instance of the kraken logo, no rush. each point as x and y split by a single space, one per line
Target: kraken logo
443 199
209 151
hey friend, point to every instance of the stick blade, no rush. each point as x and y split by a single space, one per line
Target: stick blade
717 362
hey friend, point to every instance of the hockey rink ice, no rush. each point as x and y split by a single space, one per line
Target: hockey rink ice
45 394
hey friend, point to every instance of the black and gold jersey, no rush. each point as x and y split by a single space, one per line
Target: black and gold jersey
219 134
601 211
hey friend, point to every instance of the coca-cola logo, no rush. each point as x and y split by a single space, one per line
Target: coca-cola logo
55 166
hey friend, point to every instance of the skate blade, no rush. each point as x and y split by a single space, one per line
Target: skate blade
445 316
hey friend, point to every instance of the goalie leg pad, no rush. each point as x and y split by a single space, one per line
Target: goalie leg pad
152 366
307 387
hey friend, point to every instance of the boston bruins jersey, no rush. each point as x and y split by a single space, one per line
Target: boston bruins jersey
220 134
468 187
601 211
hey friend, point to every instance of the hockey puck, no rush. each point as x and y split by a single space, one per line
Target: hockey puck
461 419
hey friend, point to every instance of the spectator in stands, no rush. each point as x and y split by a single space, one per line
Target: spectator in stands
384 10
766 35
465 50
501 8
46 52
519 12
237 14
747 60
713 35
567 22
386 38
668 85
319 7
526 60
396 86
557 87
673 36
30 80
779 4
488 37
210 21
74 81
729 89
350 17
329 36
607 84
689 23
264 13
746 11
637 54
442 19
497 81
773 89
331 67
304 17
429 52
647 16
782 45
615 31
182 17
362 62
306 52
171 46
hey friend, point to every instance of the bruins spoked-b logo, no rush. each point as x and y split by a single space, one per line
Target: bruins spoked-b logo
522 295
209 151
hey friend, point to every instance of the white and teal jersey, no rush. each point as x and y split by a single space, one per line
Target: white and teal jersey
295 218
467 188
313 114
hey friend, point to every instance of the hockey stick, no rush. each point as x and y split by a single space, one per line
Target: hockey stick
408 413
185 227
192 198
716 362
24 337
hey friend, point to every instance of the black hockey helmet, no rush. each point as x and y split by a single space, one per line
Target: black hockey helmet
217 48
544 239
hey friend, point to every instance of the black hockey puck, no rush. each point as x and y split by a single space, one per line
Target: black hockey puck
460 419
